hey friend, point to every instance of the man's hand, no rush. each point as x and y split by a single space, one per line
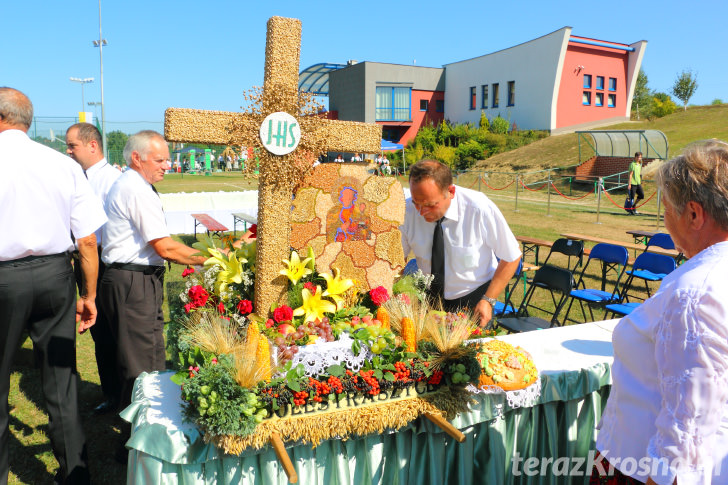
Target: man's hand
484 312
85 313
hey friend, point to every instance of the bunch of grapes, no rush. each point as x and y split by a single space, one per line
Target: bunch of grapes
320 330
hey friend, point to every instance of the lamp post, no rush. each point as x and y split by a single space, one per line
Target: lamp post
94 104
82 82
100 43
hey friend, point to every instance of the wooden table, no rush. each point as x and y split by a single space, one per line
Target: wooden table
641 236
532 245
245 219
210 224
637 247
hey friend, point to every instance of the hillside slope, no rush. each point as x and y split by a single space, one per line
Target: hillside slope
681 128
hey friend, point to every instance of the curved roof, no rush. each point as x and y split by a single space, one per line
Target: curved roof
624 143
315 79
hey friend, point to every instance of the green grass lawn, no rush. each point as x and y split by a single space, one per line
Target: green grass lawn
31 458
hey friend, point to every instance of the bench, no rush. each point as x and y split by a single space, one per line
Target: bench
211 225
636 247
640 236
243 218
532 245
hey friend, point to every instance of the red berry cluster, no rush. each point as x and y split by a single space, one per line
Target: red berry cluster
299 398
402 373
435 378
368 377
335 384
319 389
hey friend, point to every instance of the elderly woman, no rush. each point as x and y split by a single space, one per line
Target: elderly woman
666 420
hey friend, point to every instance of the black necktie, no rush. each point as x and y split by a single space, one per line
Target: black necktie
155 190
437 288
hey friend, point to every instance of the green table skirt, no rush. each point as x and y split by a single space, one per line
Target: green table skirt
560 425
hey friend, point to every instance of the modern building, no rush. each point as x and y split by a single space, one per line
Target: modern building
558 82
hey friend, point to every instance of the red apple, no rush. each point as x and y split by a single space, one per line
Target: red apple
285 328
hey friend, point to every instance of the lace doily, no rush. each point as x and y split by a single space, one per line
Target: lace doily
317 357
526 397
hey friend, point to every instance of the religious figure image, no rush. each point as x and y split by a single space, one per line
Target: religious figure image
348 219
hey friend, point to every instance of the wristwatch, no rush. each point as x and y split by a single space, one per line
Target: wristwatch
490 300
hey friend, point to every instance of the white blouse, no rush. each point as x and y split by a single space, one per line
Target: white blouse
667 413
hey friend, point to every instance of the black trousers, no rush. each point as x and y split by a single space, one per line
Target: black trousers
131 306
39 295
636 190
104 345
467 301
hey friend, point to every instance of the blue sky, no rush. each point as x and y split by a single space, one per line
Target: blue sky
206 54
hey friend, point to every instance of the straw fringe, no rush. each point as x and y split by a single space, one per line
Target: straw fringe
339 424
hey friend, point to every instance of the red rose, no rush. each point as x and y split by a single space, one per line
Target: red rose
283 313
187 272
254 230
198 296
379 295
188 307
245 307
310 287
221 308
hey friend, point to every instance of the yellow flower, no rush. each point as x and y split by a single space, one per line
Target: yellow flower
296 268
336 286
231 268
314 306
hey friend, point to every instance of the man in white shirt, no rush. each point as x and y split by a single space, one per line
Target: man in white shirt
473 235
84 144
44 199
339 158
356 158
136 244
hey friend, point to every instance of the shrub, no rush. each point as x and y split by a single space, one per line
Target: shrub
467 153
444 154
499 125
483 124
716 101
427 138
492 143
414 154
662 105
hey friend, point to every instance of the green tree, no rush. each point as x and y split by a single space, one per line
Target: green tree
642 98
662 105
716 102
685 86
115 142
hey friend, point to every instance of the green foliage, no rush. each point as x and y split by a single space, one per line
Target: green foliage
716 102
444 154
685 86
662 105
642 99
492 143
483 124
427 138
215 401
414 154
467 153
499 125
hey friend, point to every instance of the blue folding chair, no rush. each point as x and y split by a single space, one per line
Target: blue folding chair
649 267
613 259
558 282
507 308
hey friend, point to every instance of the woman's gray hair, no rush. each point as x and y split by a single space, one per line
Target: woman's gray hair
699 174
139 142
15 107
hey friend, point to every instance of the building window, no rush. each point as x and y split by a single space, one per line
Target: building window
495 95
424 105
612 83
599 99
600 82
484 92
472 97
611 100
440 105
511 93
586 98
587 81
393 104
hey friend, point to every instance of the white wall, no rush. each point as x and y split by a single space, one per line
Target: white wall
533 65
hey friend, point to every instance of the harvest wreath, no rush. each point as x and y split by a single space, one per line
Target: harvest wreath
344 361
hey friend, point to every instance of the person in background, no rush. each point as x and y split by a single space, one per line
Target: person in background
339 158
668 406
479 253
634 182
84 144
136 244
44 201
356 158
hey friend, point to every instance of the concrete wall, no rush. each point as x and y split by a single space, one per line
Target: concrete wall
347 92
535 68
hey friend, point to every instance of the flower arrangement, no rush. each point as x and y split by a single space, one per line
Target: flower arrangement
238 370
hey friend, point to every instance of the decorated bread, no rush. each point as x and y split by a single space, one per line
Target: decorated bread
506 366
